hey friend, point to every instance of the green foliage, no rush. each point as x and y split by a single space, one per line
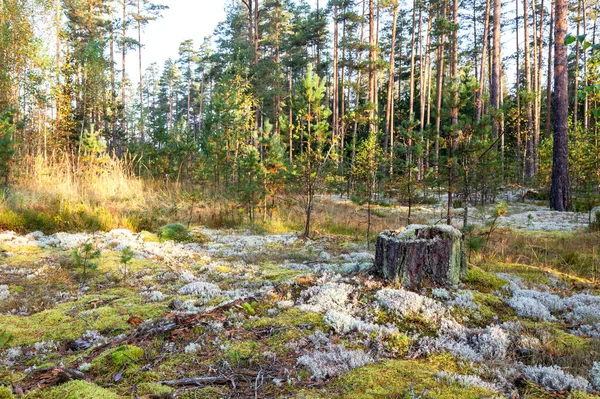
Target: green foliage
175 232
316 144
92 143
7 150
82 258
251 190
125 257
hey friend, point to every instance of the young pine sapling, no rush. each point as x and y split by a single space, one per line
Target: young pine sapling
125 258
82 258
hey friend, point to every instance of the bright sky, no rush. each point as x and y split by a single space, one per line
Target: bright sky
185 19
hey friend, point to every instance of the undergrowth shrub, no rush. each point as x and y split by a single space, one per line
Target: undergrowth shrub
175 232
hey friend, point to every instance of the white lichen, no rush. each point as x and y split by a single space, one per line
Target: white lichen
553 378
325 297
465 381
405 303
154 296
4 293
440 293
333 360
595 376
464 299
205 291
344 323
192 348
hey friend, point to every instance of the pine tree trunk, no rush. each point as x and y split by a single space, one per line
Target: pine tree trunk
549 75
139 31
389 125
123 75
485 40
529 163
372 59
439 92
560 190
495 89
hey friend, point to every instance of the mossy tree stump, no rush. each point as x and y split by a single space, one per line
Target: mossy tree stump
420 253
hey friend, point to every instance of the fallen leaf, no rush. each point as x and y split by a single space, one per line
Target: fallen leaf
135 321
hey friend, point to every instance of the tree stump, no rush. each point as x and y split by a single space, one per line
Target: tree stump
421 253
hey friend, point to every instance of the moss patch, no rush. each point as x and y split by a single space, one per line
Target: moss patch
6 393
71 320
74 390
395 379
484 281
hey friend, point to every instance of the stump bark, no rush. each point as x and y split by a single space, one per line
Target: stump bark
420 253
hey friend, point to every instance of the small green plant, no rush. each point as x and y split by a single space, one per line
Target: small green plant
125 257
499 210
83 257
249 308
175 232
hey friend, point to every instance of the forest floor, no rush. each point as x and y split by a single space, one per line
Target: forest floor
229 313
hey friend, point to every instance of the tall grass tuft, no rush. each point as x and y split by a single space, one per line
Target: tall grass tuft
74 192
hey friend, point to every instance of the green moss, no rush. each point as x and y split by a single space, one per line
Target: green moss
582 395
249 308
243 352
73 390
277 273
398 344
149 237
153 388
484 281
223 269
114 359
491 308
394 379
110 262
70 320
6 393
528 273
207 393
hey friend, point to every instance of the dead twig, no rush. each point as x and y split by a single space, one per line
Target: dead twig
198 381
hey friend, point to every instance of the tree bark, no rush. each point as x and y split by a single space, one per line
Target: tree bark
495 89
389 123
560 190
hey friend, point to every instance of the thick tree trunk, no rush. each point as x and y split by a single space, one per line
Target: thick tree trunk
560 190
420 254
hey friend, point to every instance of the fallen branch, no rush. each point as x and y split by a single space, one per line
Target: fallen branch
198 381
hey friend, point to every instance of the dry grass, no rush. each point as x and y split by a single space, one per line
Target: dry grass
568 254
70 192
